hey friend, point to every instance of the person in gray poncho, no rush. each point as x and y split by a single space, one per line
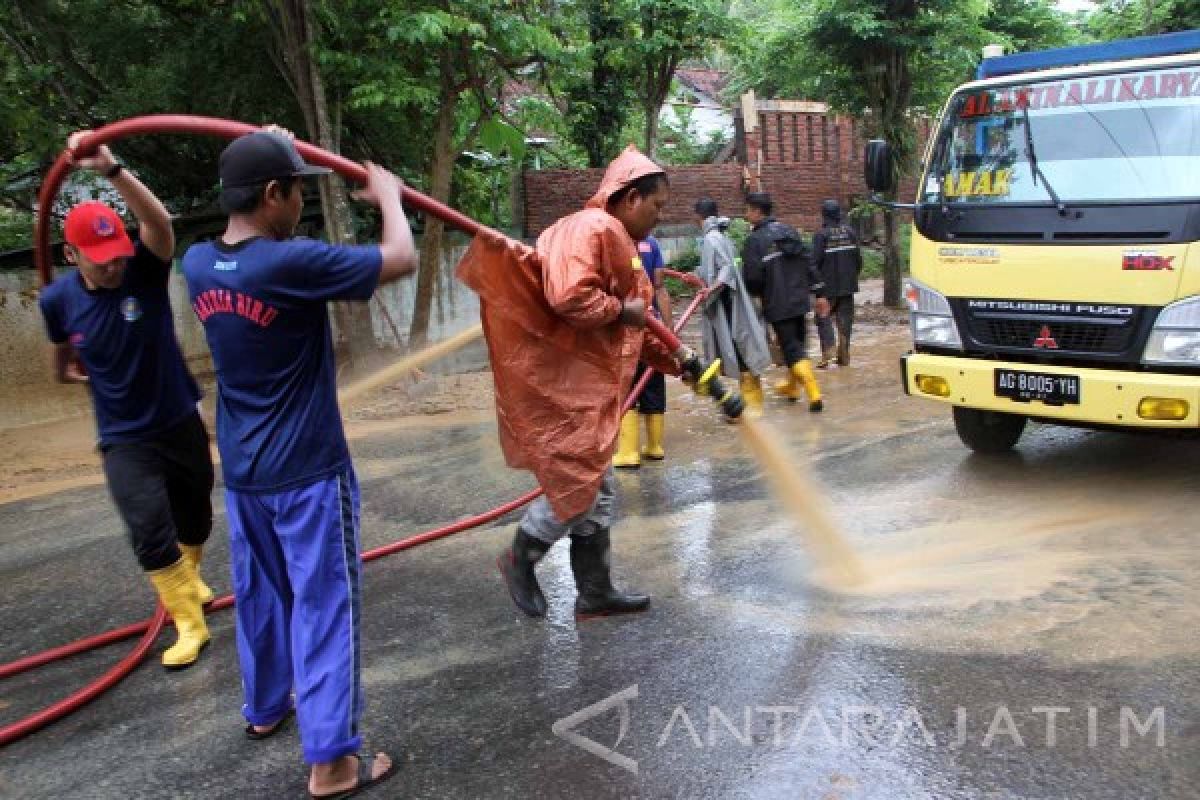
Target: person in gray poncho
729 324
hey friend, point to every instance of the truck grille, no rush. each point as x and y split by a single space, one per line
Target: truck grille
1078 337
1046 328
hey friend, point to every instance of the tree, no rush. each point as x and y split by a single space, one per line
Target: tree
599 90
870 52
1024 25
461 52
881 60
297 42
1122 19
670 31
60 72
297 39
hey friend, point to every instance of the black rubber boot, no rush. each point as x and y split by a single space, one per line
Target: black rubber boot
597 597
516 565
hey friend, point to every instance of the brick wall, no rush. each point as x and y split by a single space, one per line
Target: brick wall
806 158
553 193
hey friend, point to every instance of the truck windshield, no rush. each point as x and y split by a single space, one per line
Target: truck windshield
1132 136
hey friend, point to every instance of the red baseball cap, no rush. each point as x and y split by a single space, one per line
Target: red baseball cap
98 232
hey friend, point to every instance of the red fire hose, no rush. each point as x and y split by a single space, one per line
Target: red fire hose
172 123
224 128
153 626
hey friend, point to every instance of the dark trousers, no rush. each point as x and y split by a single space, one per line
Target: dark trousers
162 488
653 399
791 333
841 314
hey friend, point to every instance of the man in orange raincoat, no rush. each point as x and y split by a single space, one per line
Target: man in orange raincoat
565 329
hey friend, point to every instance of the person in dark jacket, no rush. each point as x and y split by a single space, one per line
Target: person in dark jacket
838 259
778 269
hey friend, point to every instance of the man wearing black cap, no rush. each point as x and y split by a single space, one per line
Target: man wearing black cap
290 491
837 257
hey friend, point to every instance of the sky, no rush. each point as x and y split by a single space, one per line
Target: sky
1074 5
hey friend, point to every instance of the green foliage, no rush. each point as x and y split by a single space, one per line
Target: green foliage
598 88
680 143
622 62
873 256
1121 19
60 72
1024 25
739 230
16 228
686 260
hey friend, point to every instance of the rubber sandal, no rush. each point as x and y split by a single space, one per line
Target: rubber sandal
365 781
267 734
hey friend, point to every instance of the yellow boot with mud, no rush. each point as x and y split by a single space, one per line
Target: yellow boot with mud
752 394
176 587
194 553
788 388
627 456
655 424
804 374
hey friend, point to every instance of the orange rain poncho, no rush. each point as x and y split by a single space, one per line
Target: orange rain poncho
561 361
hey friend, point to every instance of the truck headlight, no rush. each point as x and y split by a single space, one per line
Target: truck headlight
931 318
1175 338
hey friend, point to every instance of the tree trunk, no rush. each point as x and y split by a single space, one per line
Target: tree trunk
296 33
893 119
651 144
893 274
439 189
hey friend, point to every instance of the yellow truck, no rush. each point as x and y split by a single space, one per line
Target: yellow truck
1055 259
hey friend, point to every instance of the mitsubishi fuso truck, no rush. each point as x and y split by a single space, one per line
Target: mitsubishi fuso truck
1055 260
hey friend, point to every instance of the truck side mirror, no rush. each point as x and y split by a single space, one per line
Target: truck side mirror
879 166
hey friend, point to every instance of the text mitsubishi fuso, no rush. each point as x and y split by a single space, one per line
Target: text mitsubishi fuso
1055 264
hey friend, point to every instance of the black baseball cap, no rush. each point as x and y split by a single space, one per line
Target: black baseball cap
251 160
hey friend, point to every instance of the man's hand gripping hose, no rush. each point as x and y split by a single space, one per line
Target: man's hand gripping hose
705 378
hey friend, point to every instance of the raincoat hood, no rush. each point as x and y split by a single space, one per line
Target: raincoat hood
624 170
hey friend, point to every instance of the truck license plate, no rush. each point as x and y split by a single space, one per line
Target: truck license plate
1050 388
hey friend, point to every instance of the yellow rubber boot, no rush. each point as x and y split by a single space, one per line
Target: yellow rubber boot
804 374
627 456
194 553
653 449
752 394
176 587
788 388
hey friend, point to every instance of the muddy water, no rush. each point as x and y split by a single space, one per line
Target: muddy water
795 490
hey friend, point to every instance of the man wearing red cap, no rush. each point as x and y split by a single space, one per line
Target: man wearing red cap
113 310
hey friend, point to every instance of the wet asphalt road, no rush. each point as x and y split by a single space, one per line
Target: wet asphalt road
1032 633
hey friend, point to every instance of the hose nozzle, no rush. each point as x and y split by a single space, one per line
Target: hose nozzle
707 381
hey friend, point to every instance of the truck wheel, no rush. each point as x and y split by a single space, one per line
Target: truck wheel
988 431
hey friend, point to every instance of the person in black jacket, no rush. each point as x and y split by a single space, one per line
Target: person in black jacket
838 259
777 268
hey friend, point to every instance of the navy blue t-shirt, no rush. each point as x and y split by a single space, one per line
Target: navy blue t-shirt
125 338
652 260
263 306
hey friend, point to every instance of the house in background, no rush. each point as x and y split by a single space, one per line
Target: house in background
695 111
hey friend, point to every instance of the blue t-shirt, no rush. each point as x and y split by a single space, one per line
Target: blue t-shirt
652 260
125 338
262 304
